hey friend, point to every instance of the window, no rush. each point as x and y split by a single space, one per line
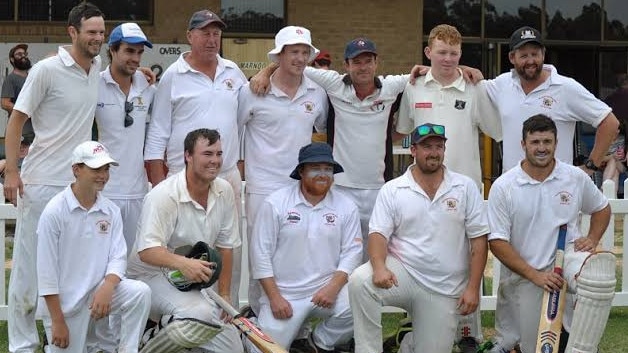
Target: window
616 20
57 10
253 16
574 19
504 16
465 15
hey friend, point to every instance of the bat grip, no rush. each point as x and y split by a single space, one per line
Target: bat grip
225 305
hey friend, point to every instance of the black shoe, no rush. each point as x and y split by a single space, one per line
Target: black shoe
468 345
302 346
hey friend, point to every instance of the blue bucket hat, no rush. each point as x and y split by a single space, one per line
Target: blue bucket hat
316 152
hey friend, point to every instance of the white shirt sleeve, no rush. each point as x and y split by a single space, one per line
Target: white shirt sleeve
382 220
592 198
351 252
229 234
583 105
320 124
117 252
499 220
476 223
159 128
158 220
34 90
485 112
324 78
264 241
245 100
405 119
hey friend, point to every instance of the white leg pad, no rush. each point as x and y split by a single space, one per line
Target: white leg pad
594 294
173 335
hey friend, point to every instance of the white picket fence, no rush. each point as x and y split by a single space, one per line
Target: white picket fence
618 207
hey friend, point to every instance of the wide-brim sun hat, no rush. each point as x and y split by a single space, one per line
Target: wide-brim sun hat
292 35
316 152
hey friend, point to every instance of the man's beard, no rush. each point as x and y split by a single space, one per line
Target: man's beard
23 64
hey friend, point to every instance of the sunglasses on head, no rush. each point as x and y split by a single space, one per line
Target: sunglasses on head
128 119
430 129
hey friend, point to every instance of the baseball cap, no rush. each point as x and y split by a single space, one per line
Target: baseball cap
203 18
315 152
18 46
427 130
359 46
129 33
323 55
292 35
93 154
525 35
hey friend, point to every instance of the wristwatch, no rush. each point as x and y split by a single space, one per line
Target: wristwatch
590 165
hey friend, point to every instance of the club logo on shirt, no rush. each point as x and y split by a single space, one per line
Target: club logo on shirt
423 105
451 204
293 217
564 197
103 226
229 83
460 104
308 106
547 102
139 100
378 106
330 219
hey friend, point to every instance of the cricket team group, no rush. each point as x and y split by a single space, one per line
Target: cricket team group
328 236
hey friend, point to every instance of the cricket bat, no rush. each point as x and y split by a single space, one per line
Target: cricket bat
261 340
551 320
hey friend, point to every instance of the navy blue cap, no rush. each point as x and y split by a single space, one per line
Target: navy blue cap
525 35
204 18
359 46
315 152
129 33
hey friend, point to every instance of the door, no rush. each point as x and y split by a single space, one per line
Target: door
249 53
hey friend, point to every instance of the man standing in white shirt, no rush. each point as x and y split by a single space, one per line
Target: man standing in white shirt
305 244
190 206
124 99
526 207
80 223
427 248
278 124
59 96
199 90
532 87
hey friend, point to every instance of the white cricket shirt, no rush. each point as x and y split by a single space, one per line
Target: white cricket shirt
527 213
60 98
462 108
187 100
301 245
561 98
77 248
275 129
171 218
125 144
359 127
431 237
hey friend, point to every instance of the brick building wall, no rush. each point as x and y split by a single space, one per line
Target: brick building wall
395 29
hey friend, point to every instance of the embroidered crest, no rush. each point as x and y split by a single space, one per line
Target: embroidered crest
361 43
451 204
330 219
299 31
139 101
459 104
229 83
293 217
103 226
547 102
564 197
309 106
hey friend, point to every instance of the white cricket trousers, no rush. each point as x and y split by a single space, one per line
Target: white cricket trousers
365 200
434 318
131 301
519 301
252 206
23 335
336 327
167 300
